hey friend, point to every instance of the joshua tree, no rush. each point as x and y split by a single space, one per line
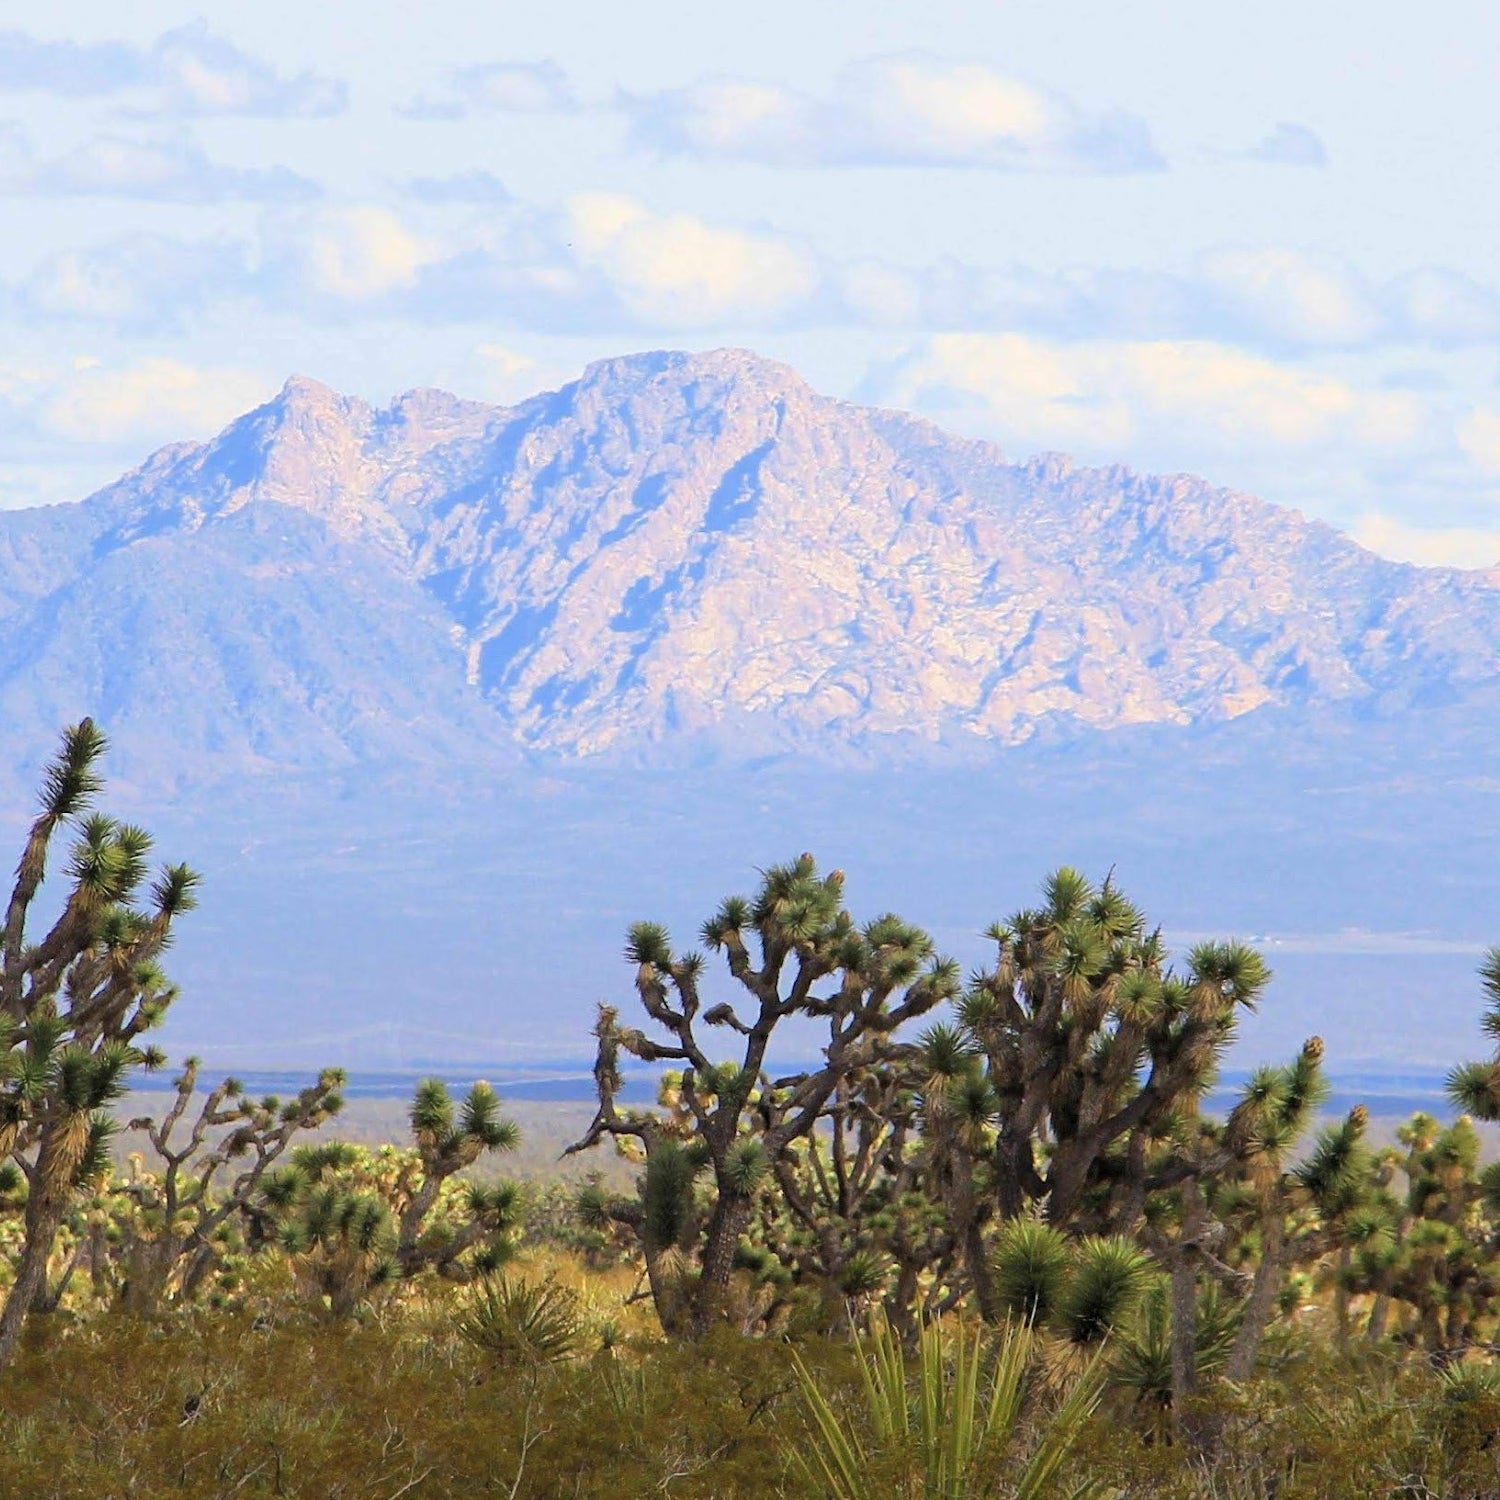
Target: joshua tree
181 1217
74 1000
446 1144
1435 1253
849 1215
356 1219
793 951
1071 1088
1475 1086
341 1242
1438 1251
1237 1171
1089 1040
1334 1184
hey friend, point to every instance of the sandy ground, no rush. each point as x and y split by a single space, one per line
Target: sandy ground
546 1129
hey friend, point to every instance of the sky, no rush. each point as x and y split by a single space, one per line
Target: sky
1258 243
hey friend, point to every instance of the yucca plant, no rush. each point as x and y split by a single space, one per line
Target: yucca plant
1140 1357
956 1426
523 1323
1080 1290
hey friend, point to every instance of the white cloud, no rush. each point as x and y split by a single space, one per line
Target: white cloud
1109 397
500 88
1289 145
91 403
1430 546
141 284
1291 297
895 111
676 271
508 375
154 399
1415 473
611 262
1263 296
163 169
461 187
357 253
189 71
1443 307
1479 436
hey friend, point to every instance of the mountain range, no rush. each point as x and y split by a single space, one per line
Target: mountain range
681 555
441 696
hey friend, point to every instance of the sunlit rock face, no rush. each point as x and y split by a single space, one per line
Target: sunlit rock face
684 548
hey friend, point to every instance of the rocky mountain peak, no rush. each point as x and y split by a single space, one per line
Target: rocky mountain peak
697 547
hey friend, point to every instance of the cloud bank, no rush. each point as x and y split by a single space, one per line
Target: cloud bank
911 111
162 169
498 88
187 72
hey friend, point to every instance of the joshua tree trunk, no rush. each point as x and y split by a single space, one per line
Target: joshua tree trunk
1262 1300
1184 1325
1341 1297
148 1271
45 1210
730 1216
666 1293
1184 1265
971 1242
49 1298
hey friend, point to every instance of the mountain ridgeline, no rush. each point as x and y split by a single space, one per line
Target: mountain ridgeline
676 555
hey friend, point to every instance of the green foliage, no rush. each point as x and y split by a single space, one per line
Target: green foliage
1082 1289
75 999
1140 1356
1107 1276
949 1429
1031 1267
523 1323
668 1195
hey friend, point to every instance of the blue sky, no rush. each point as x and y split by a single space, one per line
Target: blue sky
1255 242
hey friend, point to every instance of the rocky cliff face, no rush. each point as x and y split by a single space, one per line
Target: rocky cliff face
684 547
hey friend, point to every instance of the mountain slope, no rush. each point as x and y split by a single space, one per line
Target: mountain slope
679 548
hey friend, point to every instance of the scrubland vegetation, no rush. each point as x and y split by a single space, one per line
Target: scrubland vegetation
993 1243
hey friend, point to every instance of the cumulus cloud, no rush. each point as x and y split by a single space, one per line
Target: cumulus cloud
1266 297
162 169
894 111
356 254
138 284
505 375
461 187
1415 474
676 271
1430 546
1292 297
95 403
1479 436
154 399
1289 145
605 261
188 71
499 88
1112 397
1444 307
